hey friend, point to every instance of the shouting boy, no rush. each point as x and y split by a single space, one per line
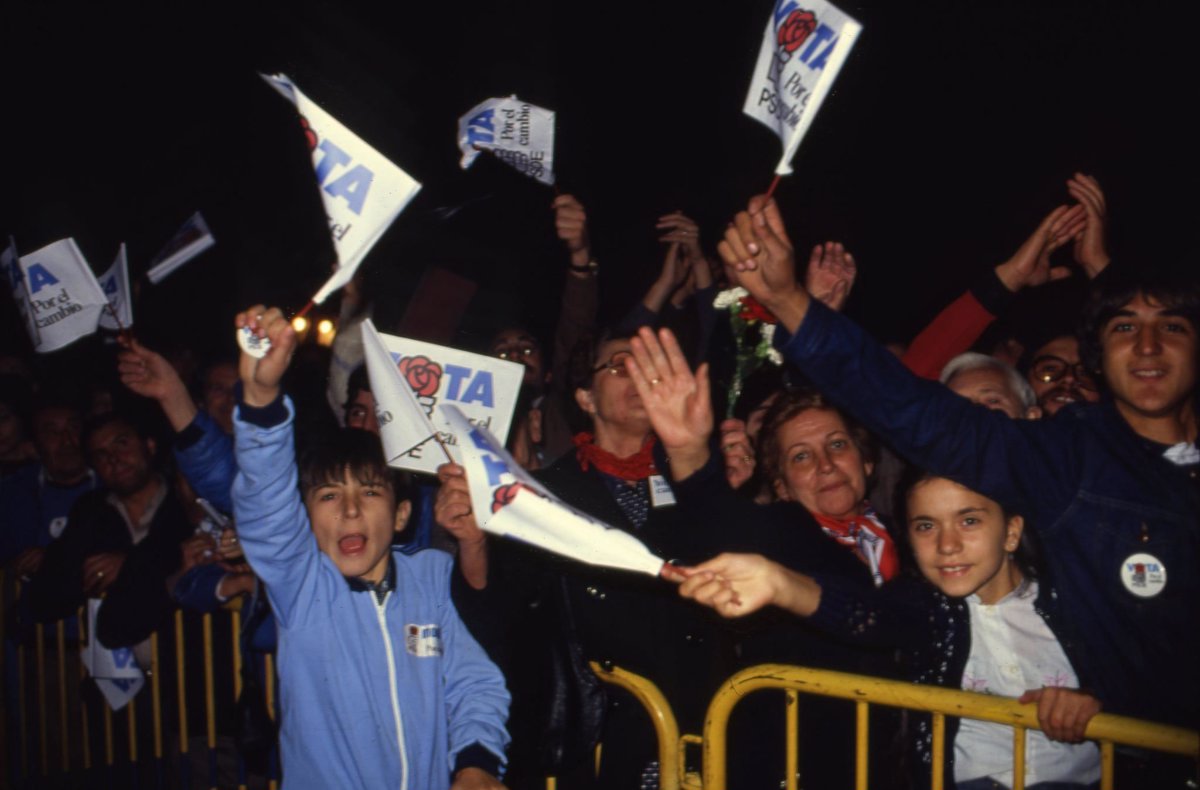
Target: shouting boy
381 685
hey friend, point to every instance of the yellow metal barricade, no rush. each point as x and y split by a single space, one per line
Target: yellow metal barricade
1109 730
671 751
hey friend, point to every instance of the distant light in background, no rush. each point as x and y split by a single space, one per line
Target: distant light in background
300 324
325 332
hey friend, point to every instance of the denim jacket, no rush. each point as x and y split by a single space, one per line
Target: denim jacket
1093 492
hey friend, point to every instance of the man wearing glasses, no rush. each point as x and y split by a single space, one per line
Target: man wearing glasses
1058 377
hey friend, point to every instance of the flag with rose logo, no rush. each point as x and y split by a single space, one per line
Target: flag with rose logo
362 190
509 502
484 388
803 49
520 134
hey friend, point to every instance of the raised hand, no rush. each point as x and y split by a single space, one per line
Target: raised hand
830 274
1063 714
677 226
678 403
452 510
1030 266
738 451
759 257
261 377
570 220
150 375
1091 251
674 273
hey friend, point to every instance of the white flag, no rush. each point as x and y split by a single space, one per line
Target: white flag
64 299
403 423
16 283
508 501
115 284
190 240
484 388
520 134
802 52
116 672
362 191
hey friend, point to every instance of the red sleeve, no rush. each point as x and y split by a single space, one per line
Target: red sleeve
949 334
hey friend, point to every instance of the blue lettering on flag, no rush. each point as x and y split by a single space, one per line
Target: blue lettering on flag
333 157
39 278
352 186
480 127
122 657
458 374
110 286
480 441
495 468
823 33
480 390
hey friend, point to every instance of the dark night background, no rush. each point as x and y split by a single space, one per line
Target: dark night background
949 134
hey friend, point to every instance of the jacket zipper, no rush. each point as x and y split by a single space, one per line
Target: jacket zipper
391 659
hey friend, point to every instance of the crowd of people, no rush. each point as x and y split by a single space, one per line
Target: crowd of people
1009 513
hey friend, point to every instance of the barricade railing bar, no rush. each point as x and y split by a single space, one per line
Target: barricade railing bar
32 757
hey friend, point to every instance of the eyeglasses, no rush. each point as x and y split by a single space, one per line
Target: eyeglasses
1049 369
515 352
615 364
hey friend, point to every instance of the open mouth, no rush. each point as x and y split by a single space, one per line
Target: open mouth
1149 374
352 545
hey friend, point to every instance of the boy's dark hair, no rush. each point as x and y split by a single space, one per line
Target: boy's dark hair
353 452
791 403
1172 291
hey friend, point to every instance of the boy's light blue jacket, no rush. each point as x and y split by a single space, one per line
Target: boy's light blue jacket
371 695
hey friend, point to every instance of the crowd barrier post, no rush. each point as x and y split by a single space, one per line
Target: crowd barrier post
156 709
210 701
181 695
671 759
39 642
1107 729
60 634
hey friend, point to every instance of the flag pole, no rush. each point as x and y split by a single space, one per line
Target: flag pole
774 184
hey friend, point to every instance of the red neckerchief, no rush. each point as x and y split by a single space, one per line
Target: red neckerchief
638 466
885 561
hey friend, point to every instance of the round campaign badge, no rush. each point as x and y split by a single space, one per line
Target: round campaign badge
57 526
252 344
1144 575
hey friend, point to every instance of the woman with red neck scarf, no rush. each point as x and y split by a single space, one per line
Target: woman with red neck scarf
817 464
542 618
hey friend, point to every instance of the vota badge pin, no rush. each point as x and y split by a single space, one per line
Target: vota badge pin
1144 575
252 344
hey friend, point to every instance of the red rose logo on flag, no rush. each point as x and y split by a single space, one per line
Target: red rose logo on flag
422 374
309 134
504 495
796 29
752 310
